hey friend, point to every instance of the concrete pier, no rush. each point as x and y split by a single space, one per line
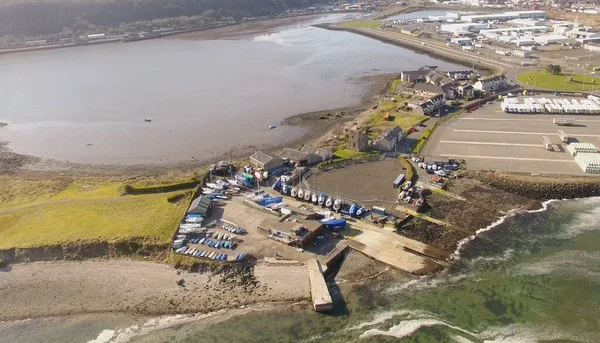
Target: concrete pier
318 287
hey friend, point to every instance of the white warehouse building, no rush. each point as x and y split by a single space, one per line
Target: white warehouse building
550 39
462 29
505 16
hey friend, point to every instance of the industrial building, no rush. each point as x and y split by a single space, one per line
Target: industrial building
464 29
536 14
550 39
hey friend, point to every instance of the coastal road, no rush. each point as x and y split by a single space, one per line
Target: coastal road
511 70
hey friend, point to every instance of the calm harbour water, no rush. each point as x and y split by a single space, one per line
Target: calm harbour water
533 278
205 98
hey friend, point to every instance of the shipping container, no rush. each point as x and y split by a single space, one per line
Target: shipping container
399 180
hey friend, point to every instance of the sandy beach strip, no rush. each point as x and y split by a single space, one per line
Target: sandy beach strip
44 289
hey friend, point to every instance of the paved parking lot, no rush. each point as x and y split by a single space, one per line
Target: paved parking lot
488 138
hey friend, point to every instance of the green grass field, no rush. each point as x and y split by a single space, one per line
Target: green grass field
366 23
345 153
377 120
60 212
562 82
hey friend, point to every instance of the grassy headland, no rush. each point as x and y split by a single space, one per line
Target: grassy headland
43 212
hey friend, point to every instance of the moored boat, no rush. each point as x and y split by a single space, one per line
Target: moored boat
314 197
329 202
300 193
294 192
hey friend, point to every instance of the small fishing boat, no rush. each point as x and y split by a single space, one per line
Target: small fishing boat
314 197
329 202
307 195
272 126
294 192
321 199
337 204
300 193
353 209
360 211
214 185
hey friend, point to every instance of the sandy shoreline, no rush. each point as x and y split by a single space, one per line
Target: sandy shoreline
51 289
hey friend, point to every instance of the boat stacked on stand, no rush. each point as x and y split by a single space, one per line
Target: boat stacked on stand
307 195
294 192
329 202
300 193
321 199
337 204
285 189
314 197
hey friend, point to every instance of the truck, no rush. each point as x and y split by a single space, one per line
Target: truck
399 180
563 122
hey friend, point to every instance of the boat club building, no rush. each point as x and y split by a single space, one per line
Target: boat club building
266 161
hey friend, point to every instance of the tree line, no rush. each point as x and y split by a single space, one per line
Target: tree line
38 17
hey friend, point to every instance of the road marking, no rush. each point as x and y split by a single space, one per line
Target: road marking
525 133
507 132
507 158
528 120
491 143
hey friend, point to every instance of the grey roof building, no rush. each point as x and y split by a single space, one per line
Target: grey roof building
300 158
388 139
324 153
266 161
201 205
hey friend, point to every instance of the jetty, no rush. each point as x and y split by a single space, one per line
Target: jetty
318 287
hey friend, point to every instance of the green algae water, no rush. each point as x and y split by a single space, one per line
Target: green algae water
533 277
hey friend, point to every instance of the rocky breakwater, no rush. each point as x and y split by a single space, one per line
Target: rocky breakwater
540 187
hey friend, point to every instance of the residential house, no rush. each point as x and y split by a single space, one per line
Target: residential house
491 84
300 158
461 75
465 91
324 153
432 104
266 161
418 75
427 90
358 140
388 139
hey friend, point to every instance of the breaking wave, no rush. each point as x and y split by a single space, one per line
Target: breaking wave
456 254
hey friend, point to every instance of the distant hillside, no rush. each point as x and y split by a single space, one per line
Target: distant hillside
39 17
